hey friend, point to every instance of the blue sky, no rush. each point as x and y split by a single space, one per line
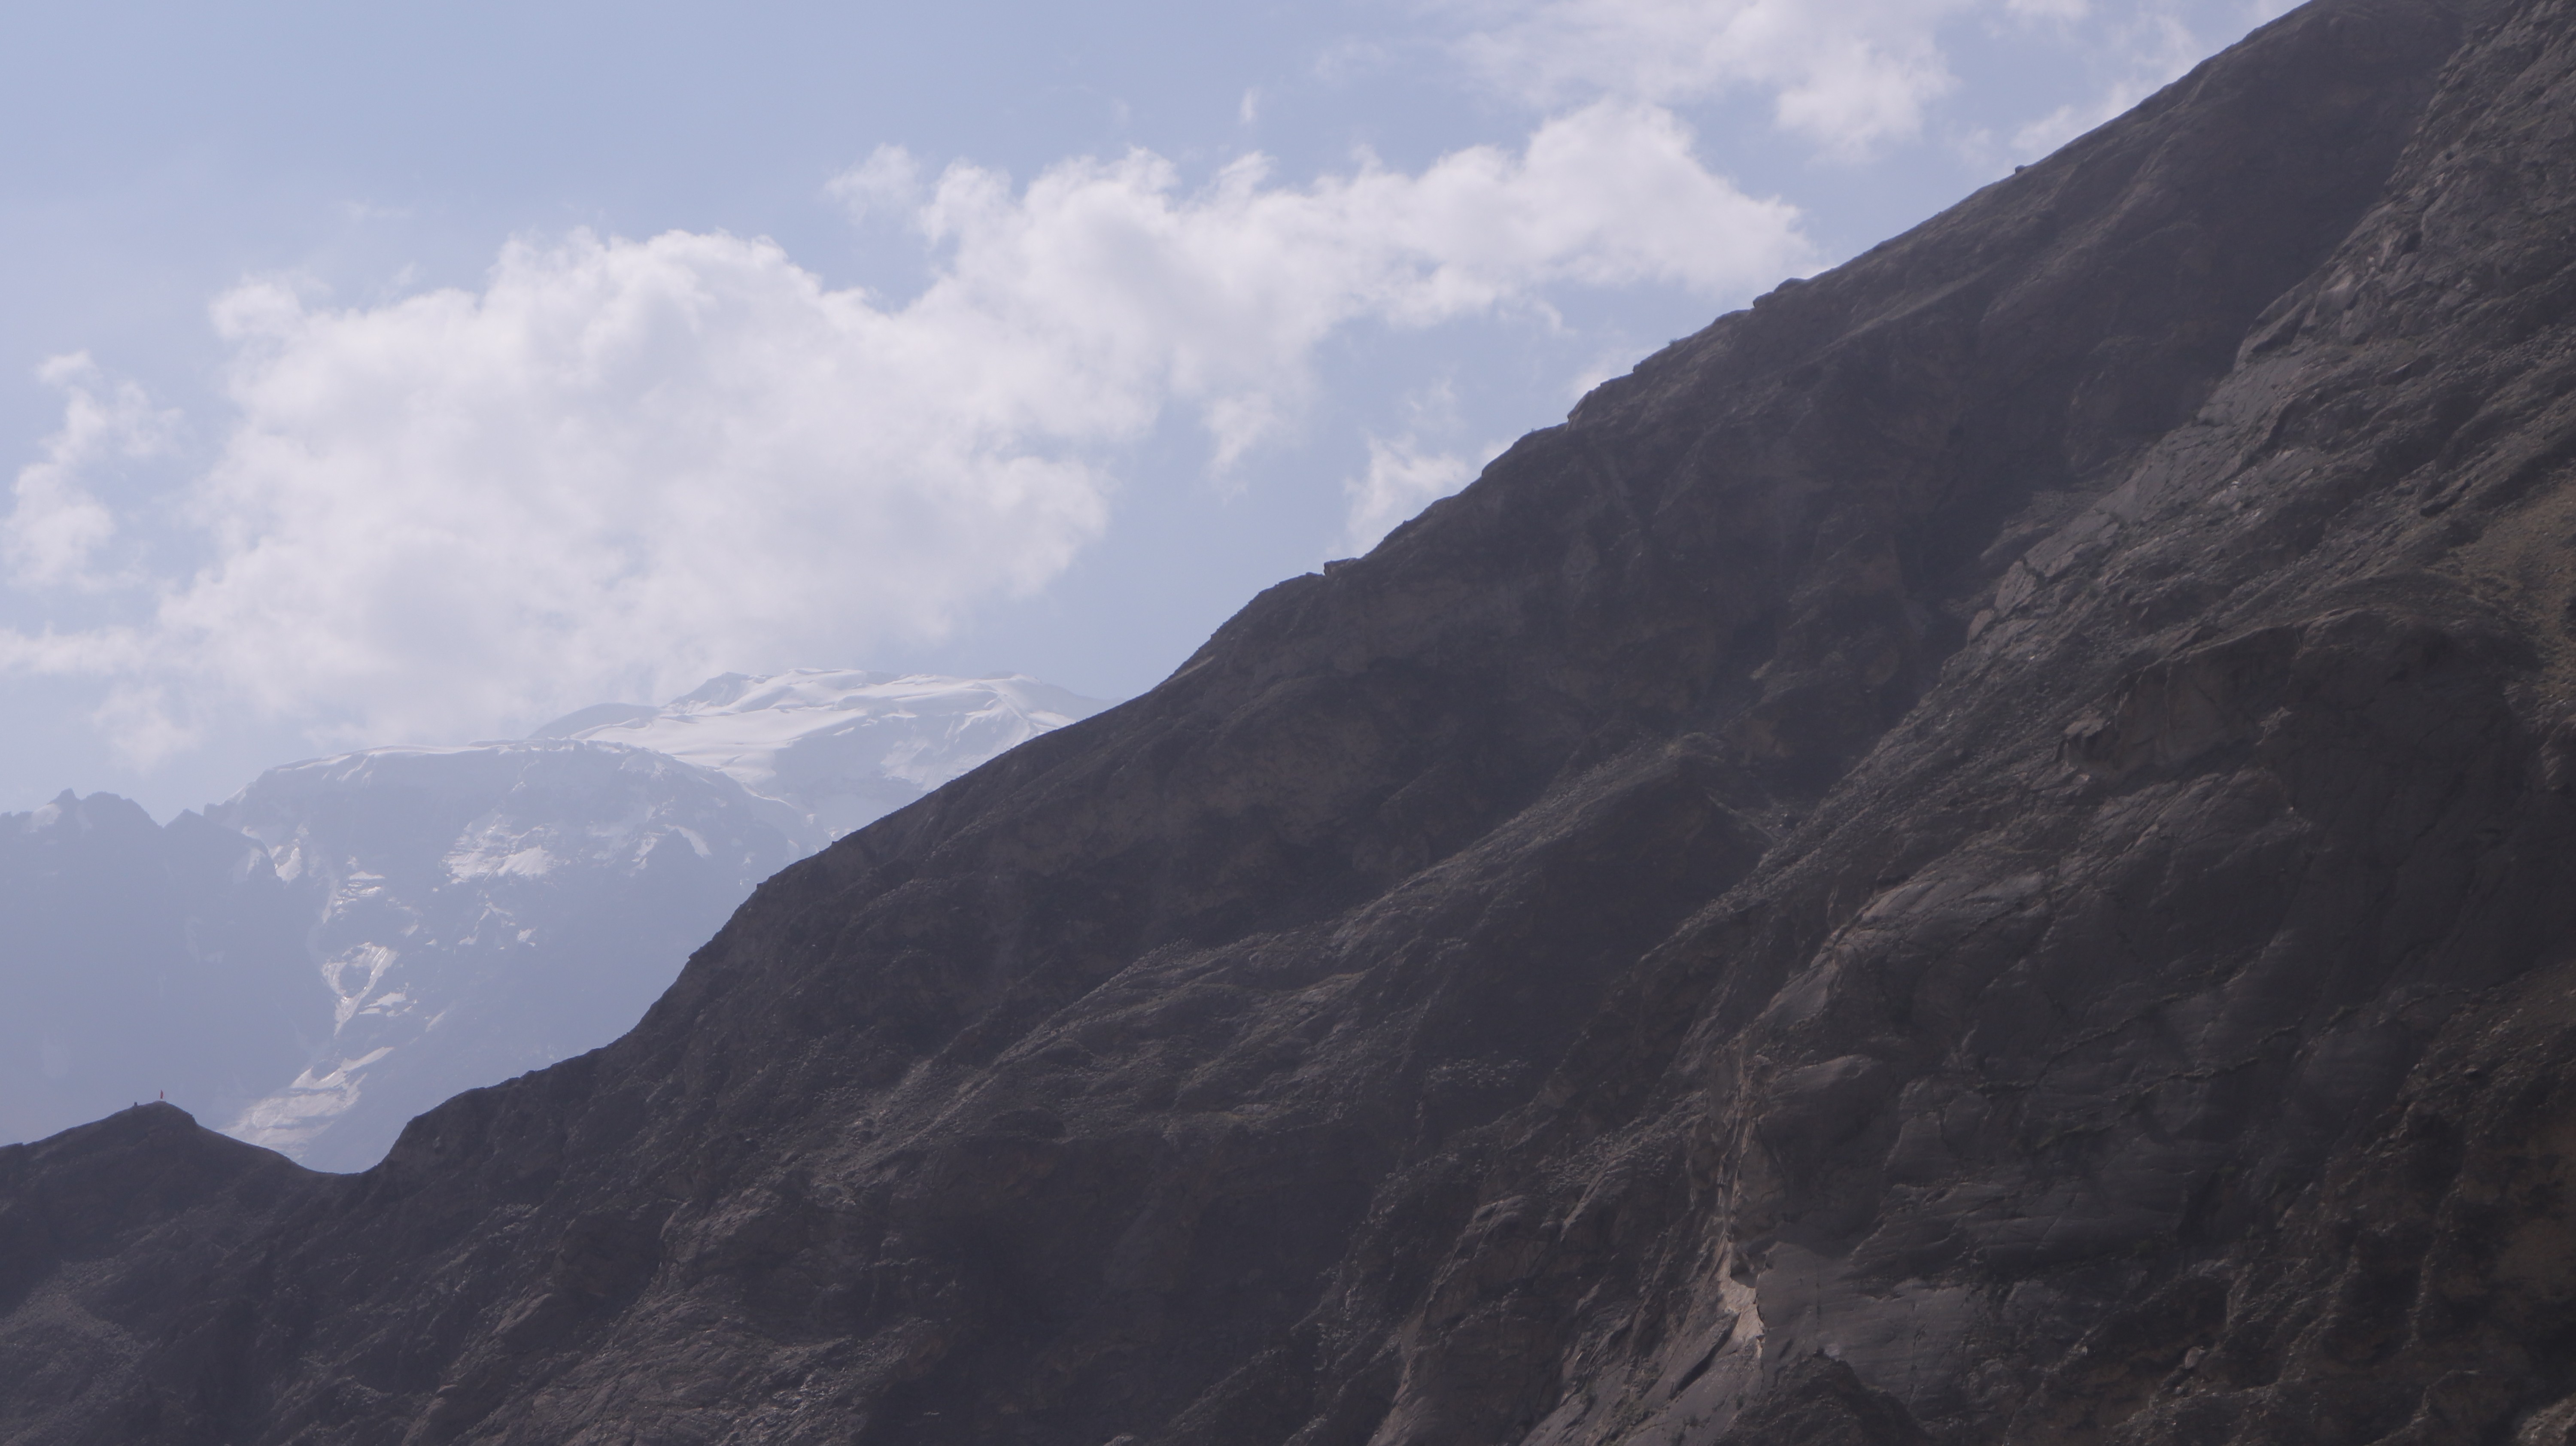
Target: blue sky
415 373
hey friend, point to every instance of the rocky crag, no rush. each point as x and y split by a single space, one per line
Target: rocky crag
1976 853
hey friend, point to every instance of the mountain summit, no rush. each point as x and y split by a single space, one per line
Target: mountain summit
1975 853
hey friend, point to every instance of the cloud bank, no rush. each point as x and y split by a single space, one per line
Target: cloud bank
622 465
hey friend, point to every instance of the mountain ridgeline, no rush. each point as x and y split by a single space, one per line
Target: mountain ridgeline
350 940
1975 853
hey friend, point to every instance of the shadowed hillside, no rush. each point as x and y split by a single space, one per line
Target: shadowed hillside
1974 853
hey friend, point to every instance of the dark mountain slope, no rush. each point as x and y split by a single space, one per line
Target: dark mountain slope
1973 853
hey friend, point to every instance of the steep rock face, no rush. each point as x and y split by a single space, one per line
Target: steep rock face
1973 853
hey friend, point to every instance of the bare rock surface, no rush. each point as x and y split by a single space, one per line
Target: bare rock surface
1976 853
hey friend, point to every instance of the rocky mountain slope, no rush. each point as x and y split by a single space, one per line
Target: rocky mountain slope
1975 853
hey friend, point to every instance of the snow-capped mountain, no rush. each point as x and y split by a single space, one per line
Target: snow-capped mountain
844 746
483 911
350 940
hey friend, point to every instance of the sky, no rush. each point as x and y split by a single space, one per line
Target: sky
417 373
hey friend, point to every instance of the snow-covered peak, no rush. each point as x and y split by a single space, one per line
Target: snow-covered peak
351 939
480 910
483 804
841 745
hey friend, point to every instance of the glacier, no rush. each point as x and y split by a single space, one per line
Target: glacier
846 747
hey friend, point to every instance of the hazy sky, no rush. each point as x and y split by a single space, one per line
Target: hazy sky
413 373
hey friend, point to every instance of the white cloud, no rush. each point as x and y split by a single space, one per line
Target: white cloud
622 465
619 467
1403 477
1849 75
2154 51
56 523
888 181
1409 472
1852 77
1220 297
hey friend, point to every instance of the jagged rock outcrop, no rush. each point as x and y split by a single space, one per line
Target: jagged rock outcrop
1972 854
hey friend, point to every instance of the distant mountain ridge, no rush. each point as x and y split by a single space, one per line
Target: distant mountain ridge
352 939
481 911
845 746
114 928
